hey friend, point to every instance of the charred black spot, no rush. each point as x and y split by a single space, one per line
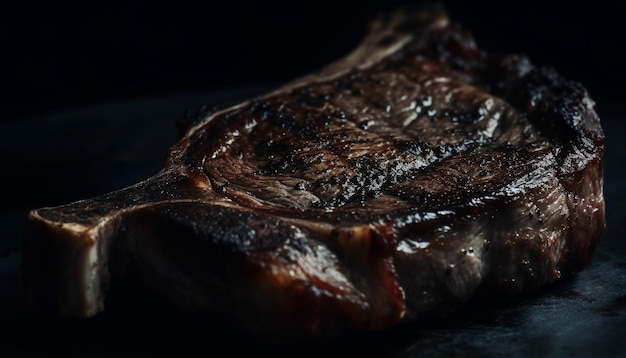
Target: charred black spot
463 116
340 115
413 147
316 99
365 125
216 227
285 256
270 148
386 40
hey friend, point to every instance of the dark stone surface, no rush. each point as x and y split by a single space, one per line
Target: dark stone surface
80 153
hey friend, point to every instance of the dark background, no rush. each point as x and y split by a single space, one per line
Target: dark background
133 66
58 56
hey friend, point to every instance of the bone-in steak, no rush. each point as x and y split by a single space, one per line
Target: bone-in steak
396 183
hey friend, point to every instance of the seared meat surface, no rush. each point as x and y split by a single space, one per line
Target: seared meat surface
396 183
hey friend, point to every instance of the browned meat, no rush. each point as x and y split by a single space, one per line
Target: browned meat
396 183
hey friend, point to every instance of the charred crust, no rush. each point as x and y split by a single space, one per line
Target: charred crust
216 230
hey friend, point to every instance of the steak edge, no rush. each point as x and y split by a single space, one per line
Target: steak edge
396 183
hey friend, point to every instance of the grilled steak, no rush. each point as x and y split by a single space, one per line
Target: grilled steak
396 183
